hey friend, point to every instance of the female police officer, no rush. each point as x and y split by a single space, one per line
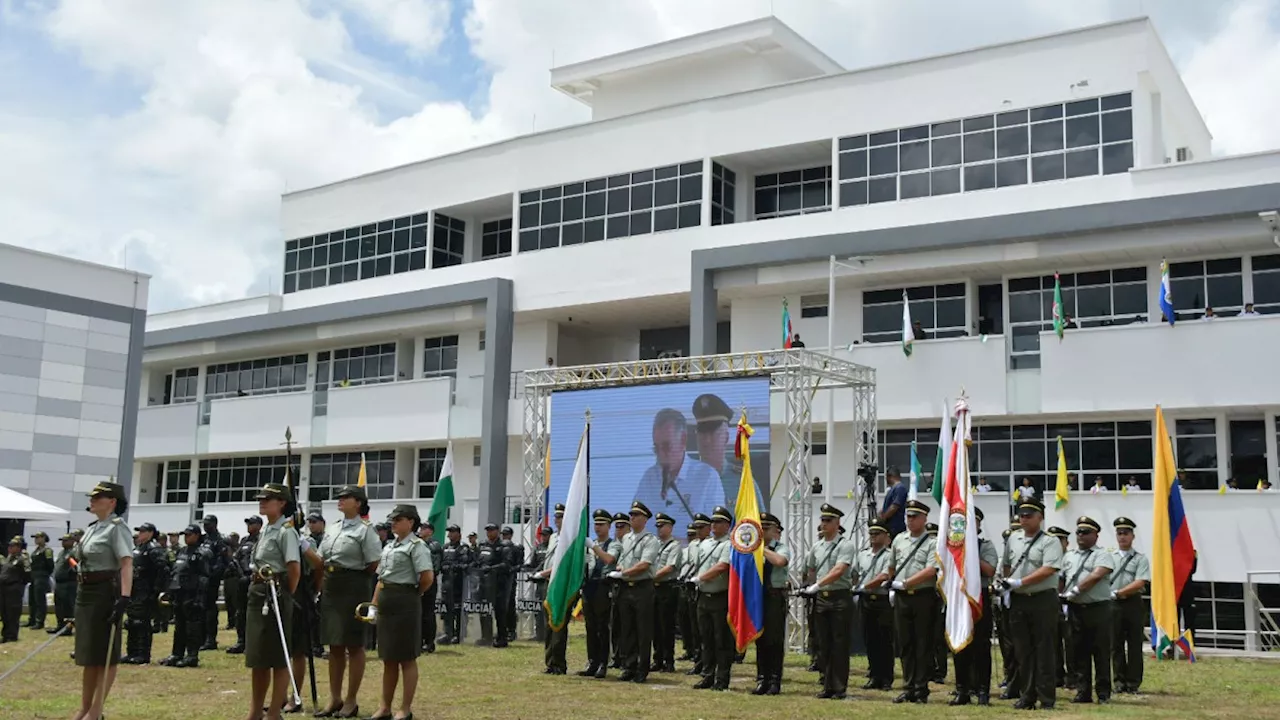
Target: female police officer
404 574
105 557
275 562
350 551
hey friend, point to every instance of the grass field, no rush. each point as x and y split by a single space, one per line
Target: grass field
467 682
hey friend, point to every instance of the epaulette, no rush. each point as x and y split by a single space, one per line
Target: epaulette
115 520
367 522
288 523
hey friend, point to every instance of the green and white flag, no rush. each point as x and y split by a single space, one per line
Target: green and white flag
908 335
913 490
443 499
944 451
571 549
1059 316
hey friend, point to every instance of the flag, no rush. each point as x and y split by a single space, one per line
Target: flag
1059 318
944 450
786 325
1166 294
438 516
544 527
1061 491
571 550
746 559
959 575
1172 552
907 335
913 490
362 479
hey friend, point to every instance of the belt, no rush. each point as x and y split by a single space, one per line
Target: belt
642 582
402 586
919 590
96 577
259 580
332 569
830 593
776 590
713 592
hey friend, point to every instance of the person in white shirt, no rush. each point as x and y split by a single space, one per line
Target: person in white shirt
1208 314
984 486
1132 484
675 482
1026 492
1249 311
1098 486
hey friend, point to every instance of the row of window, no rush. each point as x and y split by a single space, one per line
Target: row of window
356 253
938 309
1100 297
796 192
265 376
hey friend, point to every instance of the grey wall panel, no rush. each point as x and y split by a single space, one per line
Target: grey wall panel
86 465
103 396
58 408
55 497
19 385
102 360
28 329
19 311
30 297
66 336
65 354
51 462
56 444
100 413
17 440
20 347
15 459
104 378
11 402
17 422
110 327
19 366
108 343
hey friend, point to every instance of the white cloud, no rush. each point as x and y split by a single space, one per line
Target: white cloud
235 101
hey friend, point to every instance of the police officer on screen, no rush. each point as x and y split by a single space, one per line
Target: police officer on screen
513 556
1088 598
873 598
771 645
220 557
188 591
666 592
456 558
712 578
828 564
427 533
41 573
242 565
1033 562
913 567
973 663
150 576
1128 583
634 608
597 606
64 588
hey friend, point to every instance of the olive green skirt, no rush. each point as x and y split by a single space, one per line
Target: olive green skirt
343 591
399 624
93 613
262 649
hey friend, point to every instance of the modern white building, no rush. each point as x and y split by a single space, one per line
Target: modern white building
718 177
70 370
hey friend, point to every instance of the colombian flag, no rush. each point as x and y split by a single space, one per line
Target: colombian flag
786 327
1172 552
746 562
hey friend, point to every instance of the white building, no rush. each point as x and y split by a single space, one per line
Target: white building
967 179
70 370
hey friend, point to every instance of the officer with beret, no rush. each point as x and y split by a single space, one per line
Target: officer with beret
873 597
771 645
1004 633
597 605
455 559
712 577
913 567
404 573
973 663
186 593
150 578
1064 647
64 588
634 606
104 559
41 573
689 635
1088 597
1128 583
827 565
1033 562
15 573
666 592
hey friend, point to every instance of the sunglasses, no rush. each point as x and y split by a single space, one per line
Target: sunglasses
1085 532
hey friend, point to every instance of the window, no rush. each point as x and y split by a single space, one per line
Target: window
430 462
1266 284
1092 299
723 189
795 192
938 308
475 456
813 306
267 376
349 367
441 357
448 240
895 452
1114 452
185 384
495 239
1197 447
331 472
637 203
223 480
1218 284
356 253
177 482
1053 142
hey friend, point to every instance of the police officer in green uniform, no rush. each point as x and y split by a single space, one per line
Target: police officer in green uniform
1088 596
596 604
276 562
938 673
1064 648
427 533
64 587
973 663
15 573
872 596
1034 561
41 573
712 578
1004 632
913 567
105 566
771 645
621 528
665 595
634 607
828 564
690 636
555 642
404 574
1128 582
350 551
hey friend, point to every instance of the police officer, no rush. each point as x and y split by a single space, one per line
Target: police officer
534 564
217 547
427 533
278 549
913 567
940 647
771 645
712 577
1064 648
973 663
404 572
827 565
150 571
105 559
1033 562
456 558
555 642
187 593
872 596
164 613
15 573
64 588
492 561
621 527
597 606
1004 633
1128 582
690 635
242 564
666 592
1088 597
41 572
634 608
513 556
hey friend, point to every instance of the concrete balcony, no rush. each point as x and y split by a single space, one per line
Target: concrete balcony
167 431
257 424
389 413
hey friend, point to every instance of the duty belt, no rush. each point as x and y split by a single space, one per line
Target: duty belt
332 568
96 577
633 583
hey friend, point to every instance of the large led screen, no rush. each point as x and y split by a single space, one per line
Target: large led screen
671 446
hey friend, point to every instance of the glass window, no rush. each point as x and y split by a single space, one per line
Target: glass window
1266 284
1202 284
330 472
440 357
1090 299
813 306
238 379
177 482
337 257
237 480
185 384
723 191
430 462
1197 449
795 192
939 309
448 237
495 235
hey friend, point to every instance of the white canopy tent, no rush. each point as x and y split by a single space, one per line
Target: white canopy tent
17 506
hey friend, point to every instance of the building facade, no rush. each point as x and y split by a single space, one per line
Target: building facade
71 337
722 175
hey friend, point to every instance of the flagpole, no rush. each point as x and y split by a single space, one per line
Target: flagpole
831 394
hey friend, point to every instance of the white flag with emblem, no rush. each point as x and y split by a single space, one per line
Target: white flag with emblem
960 576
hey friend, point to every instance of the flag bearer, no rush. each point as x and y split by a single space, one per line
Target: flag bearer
597 606
1088 595
973 663
1034 560
913 567
1128 582
828 563
771 645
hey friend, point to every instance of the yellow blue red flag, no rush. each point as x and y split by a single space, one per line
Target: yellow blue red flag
746 562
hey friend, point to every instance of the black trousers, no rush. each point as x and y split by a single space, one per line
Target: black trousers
940 647
615 626
452 606
242 600
189 618
1034 621
688 610
1128 625
665 601
429 616
231 595
10 610
210 603
597 608
64 601
635 613
831 625
772 643
1004 634
973 664
138 618
556 642
877 635
499 605
1065 670
509 592
1092 636
717 640
915 615
37 600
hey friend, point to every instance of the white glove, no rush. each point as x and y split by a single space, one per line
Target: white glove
697 580
591 543
371 614
892 595
898 585
1004 597
812 589
316 598
615 575
1115 595
1074 591
1013 583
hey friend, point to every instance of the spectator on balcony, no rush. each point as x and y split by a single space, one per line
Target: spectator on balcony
551 362
1132 484
1249 311
1025 492
983 485
1069 323
893 511
795 341
1208 313
1098 486
917 331
1232 485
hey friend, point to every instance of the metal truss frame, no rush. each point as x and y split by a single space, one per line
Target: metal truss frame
796 374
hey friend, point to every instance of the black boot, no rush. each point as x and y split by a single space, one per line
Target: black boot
984 698
775 685
961 698
762 686
589 671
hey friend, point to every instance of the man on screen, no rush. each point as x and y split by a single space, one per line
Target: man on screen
715 445
676 484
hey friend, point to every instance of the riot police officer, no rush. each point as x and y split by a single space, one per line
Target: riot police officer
456 558
220 557
41 572
513 555
427 532
242 565
150 568
491 561
188 590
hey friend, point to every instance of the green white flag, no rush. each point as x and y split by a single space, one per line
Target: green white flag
571 548
908 335
913 490
944 450
443 499
1059 317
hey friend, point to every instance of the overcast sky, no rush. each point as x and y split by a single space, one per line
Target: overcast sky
160 134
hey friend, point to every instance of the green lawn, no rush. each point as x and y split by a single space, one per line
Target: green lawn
469 682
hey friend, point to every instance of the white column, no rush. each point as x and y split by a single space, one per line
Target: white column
706 192
835 177
515 223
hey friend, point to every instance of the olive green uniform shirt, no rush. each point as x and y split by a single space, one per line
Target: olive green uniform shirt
1046 551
